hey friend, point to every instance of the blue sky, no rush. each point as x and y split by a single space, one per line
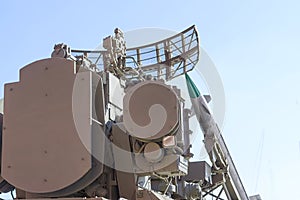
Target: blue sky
254 44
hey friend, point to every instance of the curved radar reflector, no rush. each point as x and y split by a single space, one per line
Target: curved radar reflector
168 58
165 59
151 110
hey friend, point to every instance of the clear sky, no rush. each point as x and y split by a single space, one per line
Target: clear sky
254 44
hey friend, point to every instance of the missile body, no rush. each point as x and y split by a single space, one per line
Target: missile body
215 144
205 119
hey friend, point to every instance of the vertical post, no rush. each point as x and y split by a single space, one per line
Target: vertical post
168 59
183 52
187 132
138 55
158 61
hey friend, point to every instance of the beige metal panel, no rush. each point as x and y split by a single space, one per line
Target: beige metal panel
123 163
42 151
151 110
1 106
82 106
115 97
116 92
98 99
85 83
1 123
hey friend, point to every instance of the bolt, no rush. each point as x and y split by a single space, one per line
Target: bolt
46 94
45 180
45 151
11 89
82 159
46 68
8 166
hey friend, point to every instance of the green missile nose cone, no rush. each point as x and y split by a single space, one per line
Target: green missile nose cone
192 88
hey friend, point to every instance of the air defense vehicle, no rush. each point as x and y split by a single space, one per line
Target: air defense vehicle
109 124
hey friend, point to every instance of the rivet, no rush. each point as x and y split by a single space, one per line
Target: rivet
4 128
46 94
45 151
45 180
46 68
82 158
8 166
11 89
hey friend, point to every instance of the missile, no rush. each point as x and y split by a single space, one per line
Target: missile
214 143
207 124
200 107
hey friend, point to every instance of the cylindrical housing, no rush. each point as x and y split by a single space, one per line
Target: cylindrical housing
151 110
